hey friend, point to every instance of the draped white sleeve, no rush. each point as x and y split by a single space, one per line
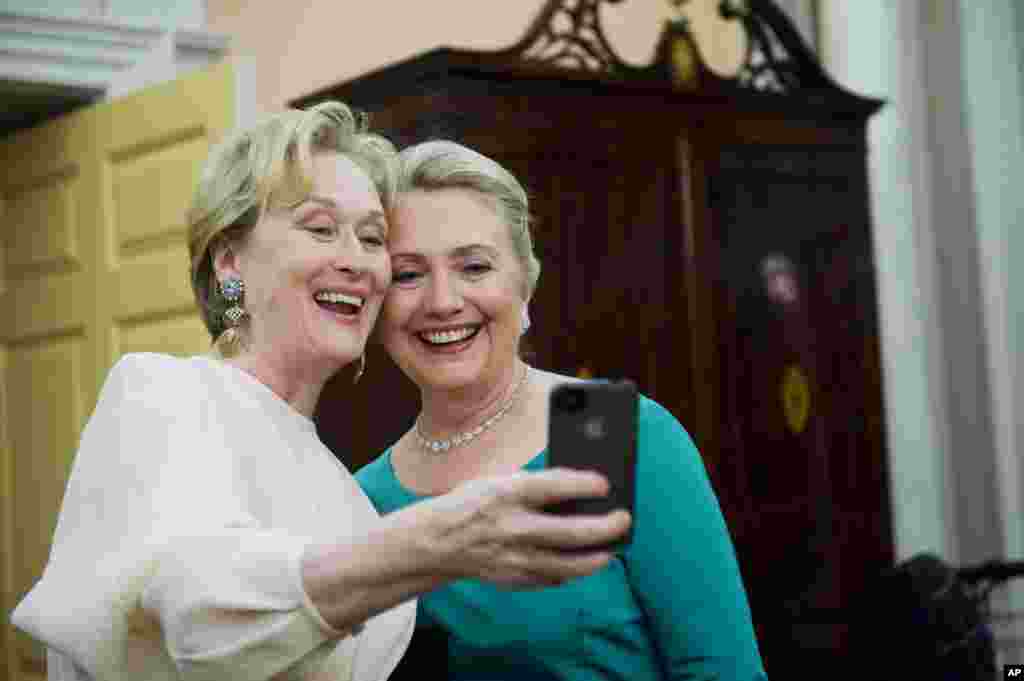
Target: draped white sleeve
164 562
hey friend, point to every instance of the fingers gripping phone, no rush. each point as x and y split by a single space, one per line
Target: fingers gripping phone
592 426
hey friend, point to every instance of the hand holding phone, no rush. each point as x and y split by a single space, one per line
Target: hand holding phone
592 426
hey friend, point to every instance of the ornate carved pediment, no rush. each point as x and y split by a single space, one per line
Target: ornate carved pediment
568 34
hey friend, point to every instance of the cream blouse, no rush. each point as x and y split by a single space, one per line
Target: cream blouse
192 497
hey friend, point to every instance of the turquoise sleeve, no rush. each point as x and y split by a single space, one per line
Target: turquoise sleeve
373 479
681 562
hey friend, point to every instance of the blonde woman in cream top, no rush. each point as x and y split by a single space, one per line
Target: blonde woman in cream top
206 533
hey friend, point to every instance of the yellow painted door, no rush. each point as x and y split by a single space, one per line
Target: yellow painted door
94 264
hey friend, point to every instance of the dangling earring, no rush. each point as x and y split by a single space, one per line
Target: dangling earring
228 343
361 369
525 324
233 289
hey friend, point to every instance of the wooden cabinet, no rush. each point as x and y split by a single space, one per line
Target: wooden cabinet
709 238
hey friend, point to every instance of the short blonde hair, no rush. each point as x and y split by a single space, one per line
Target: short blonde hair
442 164
270 164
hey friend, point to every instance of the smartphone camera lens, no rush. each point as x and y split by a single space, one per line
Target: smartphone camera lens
570 399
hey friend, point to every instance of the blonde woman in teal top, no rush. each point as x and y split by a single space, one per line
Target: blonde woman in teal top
672 604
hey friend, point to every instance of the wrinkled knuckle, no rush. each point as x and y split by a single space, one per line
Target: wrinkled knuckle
506 490
526 559
501 530
580 536
492 552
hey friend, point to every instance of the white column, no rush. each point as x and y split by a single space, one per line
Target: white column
993 80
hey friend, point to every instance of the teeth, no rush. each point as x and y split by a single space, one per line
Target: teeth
332 297
439 337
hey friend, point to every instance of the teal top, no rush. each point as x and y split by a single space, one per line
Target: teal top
670 606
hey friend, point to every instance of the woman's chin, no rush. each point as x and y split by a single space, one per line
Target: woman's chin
446 366
340 354
449 377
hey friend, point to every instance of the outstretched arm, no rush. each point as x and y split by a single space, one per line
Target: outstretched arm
490 529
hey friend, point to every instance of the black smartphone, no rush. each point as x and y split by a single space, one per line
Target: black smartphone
592 426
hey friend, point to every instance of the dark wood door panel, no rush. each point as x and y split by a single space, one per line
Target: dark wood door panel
610 297
797 331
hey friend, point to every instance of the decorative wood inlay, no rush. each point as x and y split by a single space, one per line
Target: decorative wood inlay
796 398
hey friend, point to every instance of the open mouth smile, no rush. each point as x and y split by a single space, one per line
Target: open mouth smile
343 304
453 338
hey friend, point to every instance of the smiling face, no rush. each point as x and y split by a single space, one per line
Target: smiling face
452 317
315 273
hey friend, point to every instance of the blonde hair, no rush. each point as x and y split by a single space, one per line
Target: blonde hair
442 164
269 164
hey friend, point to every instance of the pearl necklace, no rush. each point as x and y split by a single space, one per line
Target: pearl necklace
441 446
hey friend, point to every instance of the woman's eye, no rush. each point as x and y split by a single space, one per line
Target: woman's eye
373 241
404 277
477 268
321 230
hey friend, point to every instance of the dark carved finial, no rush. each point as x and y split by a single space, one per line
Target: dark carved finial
568 33
777 59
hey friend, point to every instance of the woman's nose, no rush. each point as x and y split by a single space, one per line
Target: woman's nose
354 265
444 297
352 256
